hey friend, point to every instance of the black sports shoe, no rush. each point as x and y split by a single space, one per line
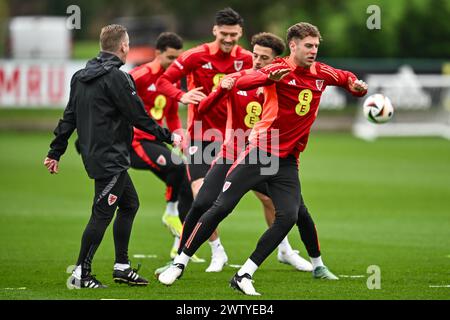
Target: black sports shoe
130 277
244 284
88 282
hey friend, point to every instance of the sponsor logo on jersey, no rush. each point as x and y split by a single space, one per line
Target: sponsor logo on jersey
319 84
207 66
242 93
112 199
192 150
238 65
151 87
226 186
292 82
161 160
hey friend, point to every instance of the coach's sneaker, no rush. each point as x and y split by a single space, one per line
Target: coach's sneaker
87 282
294 259
173 223
322 272
244 284
171 274
129 276
218 260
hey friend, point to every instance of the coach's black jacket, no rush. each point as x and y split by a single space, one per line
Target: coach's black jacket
103 106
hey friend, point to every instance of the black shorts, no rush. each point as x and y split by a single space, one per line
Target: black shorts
200 155
154 156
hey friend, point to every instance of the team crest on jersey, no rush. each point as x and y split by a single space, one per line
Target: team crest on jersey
226 185
161 160
112 199
192 150
319 84
238 65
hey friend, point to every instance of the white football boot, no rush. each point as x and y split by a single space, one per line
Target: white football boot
294 259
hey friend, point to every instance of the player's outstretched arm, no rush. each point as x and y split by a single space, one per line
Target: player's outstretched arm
253 80
279 74
261 78
344 79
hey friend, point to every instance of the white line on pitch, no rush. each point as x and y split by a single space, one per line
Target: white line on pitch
143 256
235 265
446 286
21 288
352 276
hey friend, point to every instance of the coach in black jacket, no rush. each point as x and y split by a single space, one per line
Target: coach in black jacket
103 106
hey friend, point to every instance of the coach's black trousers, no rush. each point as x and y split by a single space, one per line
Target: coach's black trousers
111 193
284 190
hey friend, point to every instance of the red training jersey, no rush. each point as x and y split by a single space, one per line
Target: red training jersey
157 105
291 104
244 109
204 67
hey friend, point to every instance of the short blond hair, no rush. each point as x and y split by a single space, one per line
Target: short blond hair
111 36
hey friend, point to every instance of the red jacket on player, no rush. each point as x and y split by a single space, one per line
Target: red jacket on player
157 105
244 110
291 104
204 67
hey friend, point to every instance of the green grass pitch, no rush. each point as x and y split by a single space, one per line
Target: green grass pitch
383 203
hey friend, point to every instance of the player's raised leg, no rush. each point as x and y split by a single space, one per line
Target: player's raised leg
308 234
285 254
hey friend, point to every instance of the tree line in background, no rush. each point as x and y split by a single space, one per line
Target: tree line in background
409 28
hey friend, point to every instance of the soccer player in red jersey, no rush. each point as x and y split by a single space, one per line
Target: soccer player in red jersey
204 67
153 155
244 109
292 89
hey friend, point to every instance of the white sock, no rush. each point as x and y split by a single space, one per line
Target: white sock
77 271
317 262
121 266
176 242
172 208
249 267
216 246
285 246
182 258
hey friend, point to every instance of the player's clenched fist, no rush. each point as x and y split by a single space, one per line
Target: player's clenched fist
227 83
357 85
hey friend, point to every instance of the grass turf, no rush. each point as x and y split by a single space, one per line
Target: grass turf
385 203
